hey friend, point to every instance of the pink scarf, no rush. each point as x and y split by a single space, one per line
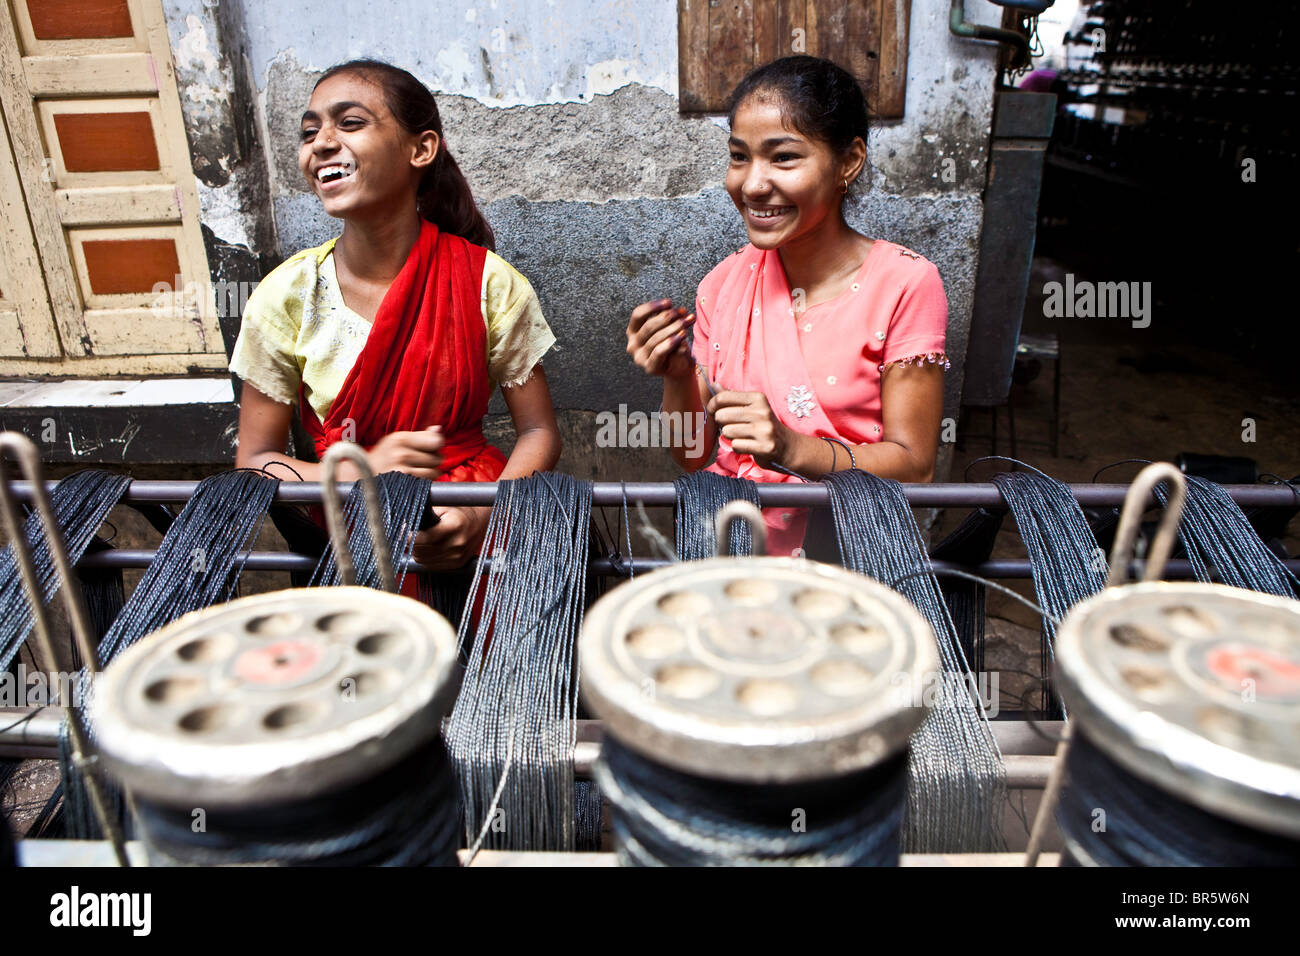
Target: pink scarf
752 346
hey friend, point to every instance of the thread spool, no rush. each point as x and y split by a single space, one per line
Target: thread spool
292 728
1185 745
756 711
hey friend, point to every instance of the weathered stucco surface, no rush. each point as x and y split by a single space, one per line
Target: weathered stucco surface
564 117
626 144
500 52
218 98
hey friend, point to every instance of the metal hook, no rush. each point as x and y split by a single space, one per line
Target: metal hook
334 515
1135 503
746 512
29 461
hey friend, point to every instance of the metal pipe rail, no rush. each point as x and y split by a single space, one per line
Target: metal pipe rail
1180 569
661 493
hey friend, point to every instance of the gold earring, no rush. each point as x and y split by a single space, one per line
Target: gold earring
846 185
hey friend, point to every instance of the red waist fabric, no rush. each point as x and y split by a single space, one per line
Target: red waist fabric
486 465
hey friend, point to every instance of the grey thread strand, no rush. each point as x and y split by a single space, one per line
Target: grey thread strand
80 504
1065 559
402 498
956 778
217 524
699 497
1221 544
519 697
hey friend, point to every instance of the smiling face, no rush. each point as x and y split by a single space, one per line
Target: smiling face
787 186
357 158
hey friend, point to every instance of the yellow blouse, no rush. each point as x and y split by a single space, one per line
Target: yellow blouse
297 330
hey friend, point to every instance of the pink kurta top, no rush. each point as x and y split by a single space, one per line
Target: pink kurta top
820 368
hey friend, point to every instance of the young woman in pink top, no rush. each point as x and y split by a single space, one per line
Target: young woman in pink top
823 348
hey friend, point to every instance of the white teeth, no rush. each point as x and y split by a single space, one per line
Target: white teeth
767 213
333 172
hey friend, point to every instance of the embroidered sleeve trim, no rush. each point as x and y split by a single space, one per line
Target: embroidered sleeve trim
925 358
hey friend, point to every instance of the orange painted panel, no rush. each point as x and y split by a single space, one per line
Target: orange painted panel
121 266
79 19
106 142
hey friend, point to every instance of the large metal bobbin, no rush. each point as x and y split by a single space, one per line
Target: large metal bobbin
276 698
759 669
1195 689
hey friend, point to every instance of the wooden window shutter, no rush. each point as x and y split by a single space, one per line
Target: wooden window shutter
93 154
719 41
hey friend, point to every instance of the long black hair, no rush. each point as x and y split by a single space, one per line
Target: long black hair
443 197
817 97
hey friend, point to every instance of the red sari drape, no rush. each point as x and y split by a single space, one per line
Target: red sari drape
424 362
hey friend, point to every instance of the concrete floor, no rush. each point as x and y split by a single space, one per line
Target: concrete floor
28 790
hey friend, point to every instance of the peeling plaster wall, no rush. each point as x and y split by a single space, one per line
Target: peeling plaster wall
563 114
208 41
209 50
500 52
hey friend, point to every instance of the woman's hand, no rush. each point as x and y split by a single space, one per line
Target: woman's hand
656 339
416 453
748 422
455 539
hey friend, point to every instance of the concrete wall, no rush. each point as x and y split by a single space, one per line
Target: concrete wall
564 117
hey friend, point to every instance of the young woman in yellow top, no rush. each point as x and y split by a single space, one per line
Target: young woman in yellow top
394 334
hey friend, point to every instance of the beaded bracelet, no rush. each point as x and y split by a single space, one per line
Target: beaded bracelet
853 462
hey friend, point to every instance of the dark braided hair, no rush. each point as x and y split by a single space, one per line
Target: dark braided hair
444 197
818 98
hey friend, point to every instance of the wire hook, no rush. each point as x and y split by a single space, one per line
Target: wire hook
1135 503
740 510
334 515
